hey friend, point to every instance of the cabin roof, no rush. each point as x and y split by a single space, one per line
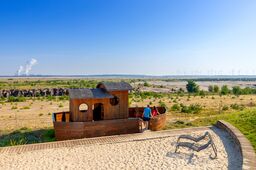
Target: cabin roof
88 94
115 86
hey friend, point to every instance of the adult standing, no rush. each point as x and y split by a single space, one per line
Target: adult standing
147 115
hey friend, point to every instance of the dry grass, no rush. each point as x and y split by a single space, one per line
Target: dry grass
14 116
26 114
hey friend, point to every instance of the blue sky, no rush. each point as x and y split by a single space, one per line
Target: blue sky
154 37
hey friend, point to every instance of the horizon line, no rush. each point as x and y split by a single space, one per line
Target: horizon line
125 75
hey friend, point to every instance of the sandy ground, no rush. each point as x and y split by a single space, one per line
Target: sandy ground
146 154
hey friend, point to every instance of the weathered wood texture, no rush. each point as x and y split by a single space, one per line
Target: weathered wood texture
138 111
78 116
119 111
76 130
106 113
157 122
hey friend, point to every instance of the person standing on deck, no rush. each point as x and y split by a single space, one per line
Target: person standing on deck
147 115
155 111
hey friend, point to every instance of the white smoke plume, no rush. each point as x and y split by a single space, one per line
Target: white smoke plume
25 70
29 65
20 70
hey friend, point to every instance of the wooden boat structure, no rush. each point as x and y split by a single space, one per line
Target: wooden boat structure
102 111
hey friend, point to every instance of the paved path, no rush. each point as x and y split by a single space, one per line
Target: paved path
101 140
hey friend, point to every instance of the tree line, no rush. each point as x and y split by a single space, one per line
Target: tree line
192 87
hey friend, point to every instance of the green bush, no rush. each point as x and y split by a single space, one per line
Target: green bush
26 107
50 98
216 89
175 107
224 90
184 108
193 108
19 141
146 95
237 107
225 108
202 93
146 84
179 122
26 136
162 104
16 99
237 90
63 97
2 99
210 89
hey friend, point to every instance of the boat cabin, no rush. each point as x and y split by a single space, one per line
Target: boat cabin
99 112
108 101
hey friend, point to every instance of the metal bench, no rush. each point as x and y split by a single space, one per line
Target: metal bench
194 146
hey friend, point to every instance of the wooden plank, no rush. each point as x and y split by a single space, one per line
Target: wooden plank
158 122
75 130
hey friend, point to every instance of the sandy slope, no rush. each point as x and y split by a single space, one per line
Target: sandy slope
146 154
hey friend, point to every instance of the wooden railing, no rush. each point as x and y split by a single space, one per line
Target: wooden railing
61 117
156 123
138 111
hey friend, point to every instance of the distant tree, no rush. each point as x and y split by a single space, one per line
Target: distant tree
146 84
211 89
216 89
181 90
224 90
236 90
192 87
248 90
202 93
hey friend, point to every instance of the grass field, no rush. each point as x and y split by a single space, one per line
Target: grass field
36 83
30 120
245 121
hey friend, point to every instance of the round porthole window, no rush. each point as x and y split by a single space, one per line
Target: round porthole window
83 107
114 101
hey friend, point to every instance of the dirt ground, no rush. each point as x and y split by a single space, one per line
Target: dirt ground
30 114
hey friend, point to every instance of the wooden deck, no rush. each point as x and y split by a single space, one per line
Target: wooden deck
66 130
77 130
